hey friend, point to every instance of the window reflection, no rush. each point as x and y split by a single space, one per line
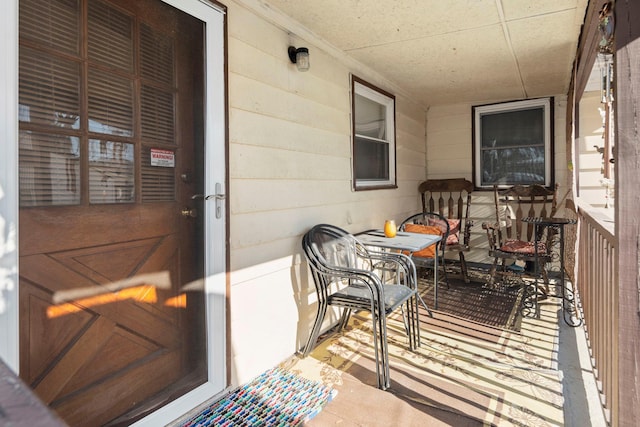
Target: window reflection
111 172
49 169
370 118
512 166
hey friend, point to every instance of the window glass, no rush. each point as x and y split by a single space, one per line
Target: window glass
513 144
373 137
111 172
370 118
110 103
373 161
49 90
49 169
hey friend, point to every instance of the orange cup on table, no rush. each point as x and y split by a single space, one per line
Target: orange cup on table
390 228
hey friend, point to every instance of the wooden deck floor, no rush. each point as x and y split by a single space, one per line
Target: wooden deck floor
466 373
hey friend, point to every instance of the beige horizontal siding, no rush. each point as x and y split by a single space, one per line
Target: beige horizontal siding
290 168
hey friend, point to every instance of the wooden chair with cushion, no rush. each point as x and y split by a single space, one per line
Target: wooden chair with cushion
511 239
451 198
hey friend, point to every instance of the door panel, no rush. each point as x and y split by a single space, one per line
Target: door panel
108 332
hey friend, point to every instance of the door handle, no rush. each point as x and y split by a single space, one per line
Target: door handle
208 197
219 196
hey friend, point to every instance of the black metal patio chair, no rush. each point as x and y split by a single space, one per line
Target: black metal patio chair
425 259
345 275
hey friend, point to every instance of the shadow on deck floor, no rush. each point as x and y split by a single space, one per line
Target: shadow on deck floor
495 369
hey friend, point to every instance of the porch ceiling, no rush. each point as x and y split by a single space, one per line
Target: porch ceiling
451 51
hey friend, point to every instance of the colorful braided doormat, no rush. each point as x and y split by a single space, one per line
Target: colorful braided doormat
275 398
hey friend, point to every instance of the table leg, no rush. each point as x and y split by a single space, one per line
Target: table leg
435 277
424 305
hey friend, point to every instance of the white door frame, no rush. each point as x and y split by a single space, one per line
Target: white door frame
215 229
9 185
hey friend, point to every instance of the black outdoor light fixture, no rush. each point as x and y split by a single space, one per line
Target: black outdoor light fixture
300 57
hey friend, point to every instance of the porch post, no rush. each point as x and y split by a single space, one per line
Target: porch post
627 157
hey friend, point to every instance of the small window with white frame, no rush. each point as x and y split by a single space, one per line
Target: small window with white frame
513 143
374 136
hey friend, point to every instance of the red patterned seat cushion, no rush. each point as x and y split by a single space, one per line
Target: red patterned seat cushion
454 229
522 247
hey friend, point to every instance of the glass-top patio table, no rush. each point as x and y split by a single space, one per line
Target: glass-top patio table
409 242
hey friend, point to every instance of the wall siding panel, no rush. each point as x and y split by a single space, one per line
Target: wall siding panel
283 134
290 168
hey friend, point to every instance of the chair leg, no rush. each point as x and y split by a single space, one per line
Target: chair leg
444 272
411 322
379 325
344 319
463 267
545 279
385 374
405 310
315 331
424 304
493 271
414 321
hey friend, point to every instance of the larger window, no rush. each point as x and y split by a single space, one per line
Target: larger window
513 143
374 137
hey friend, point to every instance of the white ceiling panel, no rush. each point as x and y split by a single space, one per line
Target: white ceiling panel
452 51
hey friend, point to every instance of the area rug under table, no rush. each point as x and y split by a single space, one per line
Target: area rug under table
497 306
275 398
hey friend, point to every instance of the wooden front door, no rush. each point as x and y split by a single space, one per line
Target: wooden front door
111 251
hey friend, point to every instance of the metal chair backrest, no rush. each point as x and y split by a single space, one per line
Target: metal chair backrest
332 246
429 220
